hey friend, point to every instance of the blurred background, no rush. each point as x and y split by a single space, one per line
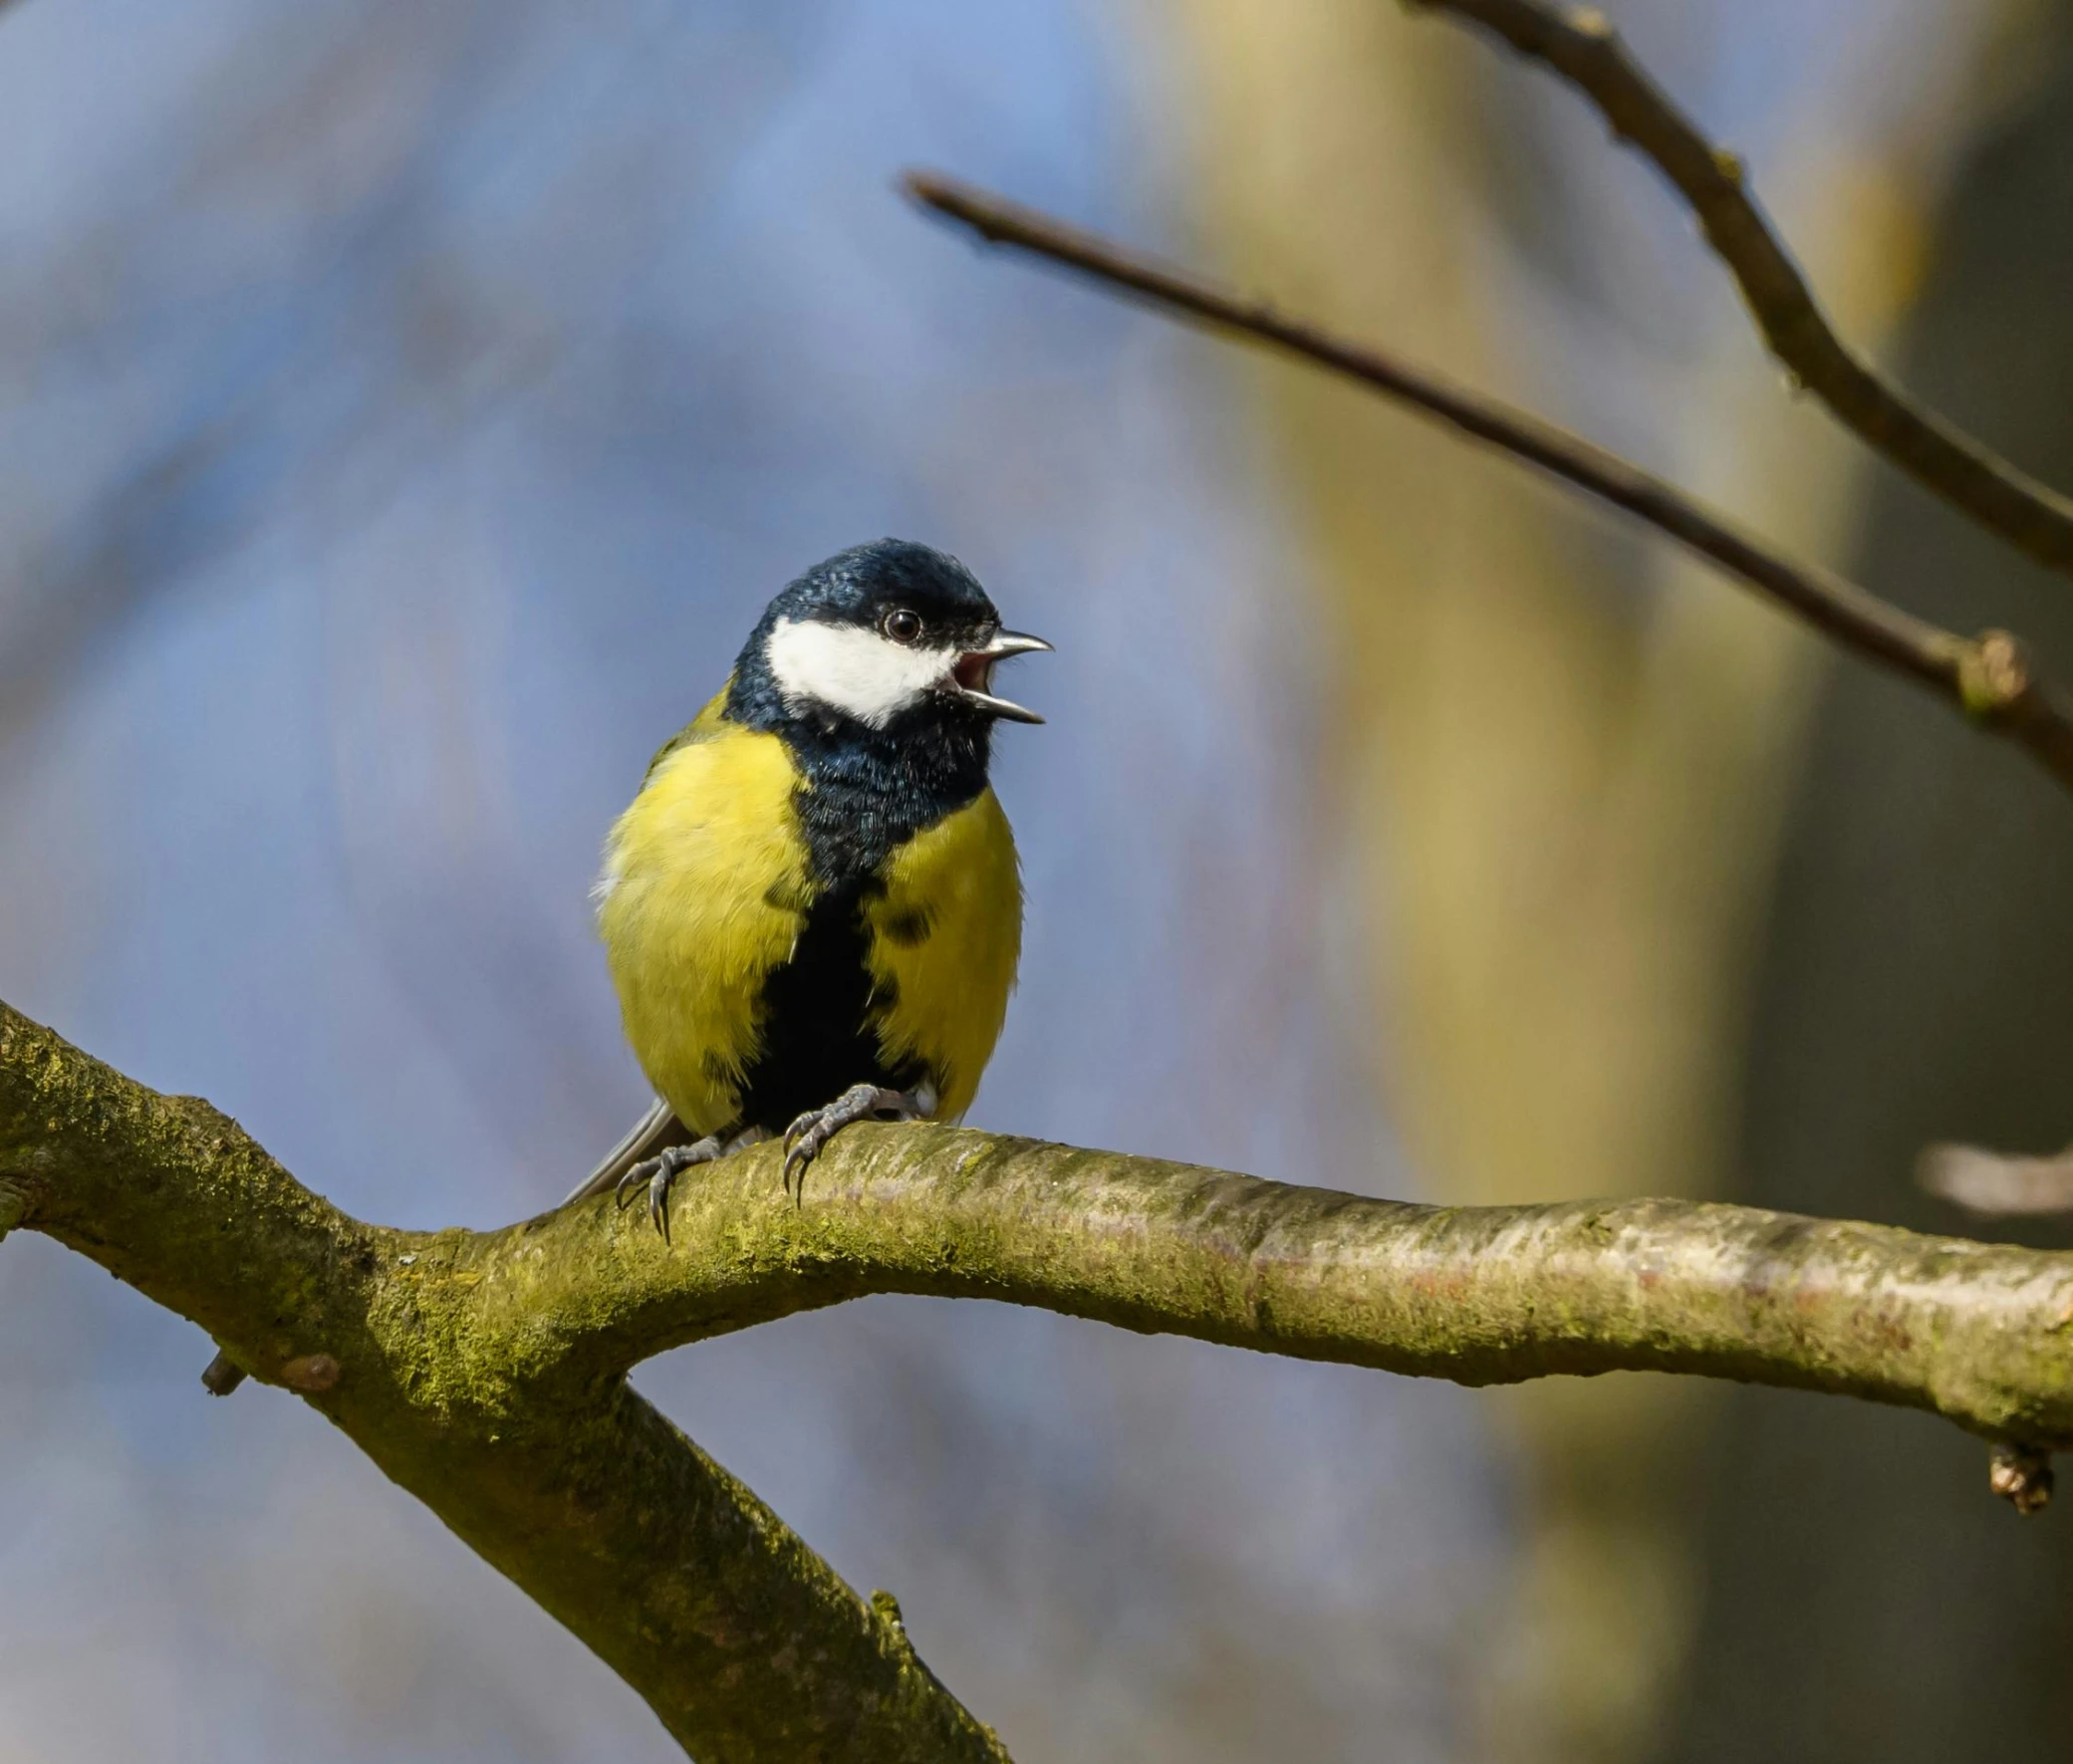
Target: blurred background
410 405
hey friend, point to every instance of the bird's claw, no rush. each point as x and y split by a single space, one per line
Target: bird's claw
658 1173
806 1137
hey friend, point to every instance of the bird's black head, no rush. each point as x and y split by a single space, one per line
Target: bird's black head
876 668
889 639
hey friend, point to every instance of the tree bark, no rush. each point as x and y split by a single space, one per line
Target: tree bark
484 1371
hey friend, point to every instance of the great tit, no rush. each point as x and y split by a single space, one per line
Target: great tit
811 910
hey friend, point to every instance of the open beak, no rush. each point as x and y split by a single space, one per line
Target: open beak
971 679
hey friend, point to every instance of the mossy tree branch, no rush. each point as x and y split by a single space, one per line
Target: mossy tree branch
444 1357
485 1371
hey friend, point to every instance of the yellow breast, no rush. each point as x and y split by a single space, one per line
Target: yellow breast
703 896
707 888
946 935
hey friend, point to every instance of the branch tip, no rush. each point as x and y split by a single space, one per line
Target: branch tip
222 1376
2021 1475
1993 675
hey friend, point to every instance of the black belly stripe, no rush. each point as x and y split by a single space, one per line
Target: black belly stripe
818 1032
863 793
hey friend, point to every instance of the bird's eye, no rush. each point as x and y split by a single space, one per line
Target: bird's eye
902 626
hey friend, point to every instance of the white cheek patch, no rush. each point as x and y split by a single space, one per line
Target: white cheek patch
851 670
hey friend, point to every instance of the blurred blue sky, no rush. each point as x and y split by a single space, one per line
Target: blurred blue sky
409 407
412 408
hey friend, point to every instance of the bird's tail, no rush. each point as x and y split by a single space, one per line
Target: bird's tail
656 1130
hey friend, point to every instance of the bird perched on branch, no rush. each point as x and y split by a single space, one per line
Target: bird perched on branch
812 910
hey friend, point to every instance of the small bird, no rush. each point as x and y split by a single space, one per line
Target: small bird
813 911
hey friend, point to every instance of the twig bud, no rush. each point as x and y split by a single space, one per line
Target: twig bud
1993 674
312 1372
2021 1476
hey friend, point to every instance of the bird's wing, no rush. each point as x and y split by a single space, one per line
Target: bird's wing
945 933
656 1130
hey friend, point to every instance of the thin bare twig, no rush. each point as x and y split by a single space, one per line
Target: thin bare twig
1989 677
1995 1185
1581 45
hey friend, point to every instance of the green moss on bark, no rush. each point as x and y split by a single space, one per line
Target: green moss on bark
485 1371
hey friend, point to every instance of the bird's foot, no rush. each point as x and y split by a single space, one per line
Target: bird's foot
658 1173
861 1102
